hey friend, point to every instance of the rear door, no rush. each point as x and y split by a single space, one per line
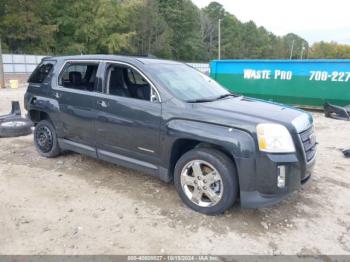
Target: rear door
128 119
75 94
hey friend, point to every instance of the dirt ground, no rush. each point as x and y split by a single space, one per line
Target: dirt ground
74 204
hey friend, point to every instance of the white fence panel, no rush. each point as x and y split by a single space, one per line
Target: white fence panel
7 59
18 59
20 63
31 59
27 63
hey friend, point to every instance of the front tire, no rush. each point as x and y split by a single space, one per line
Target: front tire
45 139
206 180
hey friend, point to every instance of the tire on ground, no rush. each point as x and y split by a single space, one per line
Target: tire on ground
15 112
15 126
224 165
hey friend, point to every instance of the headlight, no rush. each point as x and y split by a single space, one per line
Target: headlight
274 138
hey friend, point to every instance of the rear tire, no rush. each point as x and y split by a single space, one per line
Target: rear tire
45 139
206 180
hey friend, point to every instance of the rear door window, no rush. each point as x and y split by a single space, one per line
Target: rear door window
41 72
81 76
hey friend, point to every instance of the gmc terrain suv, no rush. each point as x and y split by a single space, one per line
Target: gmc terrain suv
171 121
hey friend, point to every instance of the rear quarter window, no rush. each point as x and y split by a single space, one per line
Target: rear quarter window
41 72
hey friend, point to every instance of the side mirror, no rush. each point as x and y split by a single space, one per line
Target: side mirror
154 98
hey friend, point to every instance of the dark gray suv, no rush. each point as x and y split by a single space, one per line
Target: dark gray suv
169 120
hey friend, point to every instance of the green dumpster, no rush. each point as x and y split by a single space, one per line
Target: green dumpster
296 82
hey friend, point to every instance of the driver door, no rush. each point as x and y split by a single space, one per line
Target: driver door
128 122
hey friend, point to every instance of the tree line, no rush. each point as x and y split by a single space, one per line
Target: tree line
173 29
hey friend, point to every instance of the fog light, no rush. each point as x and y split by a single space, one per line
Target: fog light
281 176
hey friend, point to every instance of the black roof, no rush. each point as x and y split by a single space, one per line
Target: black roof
143 60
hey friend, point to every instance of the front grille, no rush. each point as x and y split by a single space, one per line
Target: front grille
309 143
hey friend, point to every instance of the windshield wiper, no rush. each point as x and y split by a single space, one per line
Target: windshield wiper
226 95
202 100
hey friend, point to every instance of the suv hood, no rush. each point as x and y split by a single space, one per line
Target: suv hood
233 111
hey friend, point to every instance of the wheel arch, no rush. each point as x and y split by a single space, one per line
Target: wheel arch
186 135
183 145
38 115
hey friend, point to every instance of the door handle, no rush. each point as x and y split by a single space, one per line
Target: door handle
57 95
102 103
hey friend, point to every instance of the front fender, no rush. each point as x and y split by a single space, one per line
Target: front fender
238 143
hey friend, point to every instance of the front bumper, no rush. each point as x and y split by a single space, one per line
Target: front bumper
258 178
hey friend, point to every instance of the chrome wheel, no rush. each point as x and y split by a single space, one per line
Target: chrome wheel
202 183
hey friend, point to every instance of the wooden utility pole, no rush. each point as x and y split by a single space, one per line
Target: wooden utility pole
2 78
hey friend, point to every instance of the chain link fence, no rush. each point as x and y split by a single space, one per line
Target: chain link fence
26 63
202 67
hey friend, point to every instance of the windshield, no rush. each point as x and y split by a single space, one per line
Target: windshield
187 83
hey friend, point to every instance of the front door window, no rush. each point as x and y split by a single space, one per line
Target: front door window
126 82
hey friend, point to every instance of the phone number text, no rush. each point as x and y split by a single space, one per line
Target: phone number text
325 76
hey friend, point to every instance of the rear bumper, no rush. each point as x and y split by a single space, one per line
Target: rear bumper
258 188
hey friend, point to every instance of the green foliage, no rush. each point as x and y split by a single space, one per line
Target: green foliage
174 29
182 16
152 34
91 26
22 29
329 51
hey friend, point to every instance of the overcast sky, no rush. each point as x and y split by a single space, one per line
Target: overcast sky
314 20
